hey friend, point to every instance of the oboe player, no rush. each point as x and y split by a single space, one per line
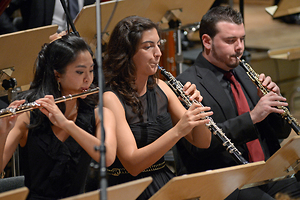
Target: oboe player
252 121
58 141
150 117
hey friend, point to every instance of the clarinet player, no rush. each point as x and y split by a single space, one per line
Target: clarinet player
150 117
250 119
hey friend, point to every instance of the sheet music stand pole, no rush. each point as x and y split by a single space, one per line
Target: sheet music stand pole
69 19
102 148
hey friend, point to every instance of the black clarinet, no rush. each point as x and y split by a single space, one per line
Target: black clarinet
177 86
255 79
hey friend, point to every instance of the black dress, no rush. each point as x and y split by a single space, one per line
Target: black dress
156 121
55 169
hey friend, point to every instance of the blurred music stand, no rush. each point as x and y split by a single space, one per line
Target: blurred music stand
17 194
85 21
188 12
284 7
129 191
283 164
213 184
191 12
18 52
219 183
289 53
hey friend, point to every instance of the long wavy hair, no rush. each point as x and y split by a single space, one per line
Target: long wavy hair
118 67
54 56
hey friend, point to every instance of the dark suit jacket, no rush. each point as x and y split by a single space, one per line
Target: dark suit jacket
239 129
37 13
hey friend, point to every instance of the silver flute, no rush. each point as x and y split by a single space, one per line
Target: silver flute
5 112
255 79
177 86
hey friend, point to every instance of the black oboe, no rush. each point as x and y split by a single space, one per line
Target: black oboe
177 86
255 79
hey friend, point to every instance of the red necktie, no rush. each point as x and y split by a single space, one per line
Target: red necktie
254 147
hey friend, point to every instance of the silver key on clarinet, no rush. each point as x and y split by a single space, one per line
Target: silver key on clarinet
177 87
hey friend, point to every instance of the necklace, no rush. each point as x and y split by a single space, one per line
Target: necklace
72 112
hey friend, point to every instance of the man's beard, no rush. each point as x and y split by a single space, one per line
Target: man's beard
218 58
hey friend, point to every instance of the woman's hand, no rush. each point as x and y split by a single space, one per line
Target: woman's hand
193 117
7 123
50 109
191 90
56 36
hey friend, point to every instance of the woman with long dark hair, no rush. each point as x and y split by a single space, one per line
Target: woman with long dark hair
150 117
58 141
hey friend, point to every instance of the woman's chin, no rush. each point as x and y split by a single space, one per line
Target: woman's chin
83 97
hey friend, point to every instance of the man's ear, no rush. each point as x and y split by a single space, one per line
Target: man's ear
207 41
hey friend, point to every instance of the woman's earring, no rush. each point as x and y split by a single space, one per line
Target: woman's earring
58 85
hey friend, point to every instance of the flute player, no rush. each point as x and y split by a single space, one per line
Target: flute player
57 141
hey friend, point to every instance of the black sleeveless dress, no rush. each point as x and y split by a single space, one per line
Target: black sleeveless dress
55 169
156 122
